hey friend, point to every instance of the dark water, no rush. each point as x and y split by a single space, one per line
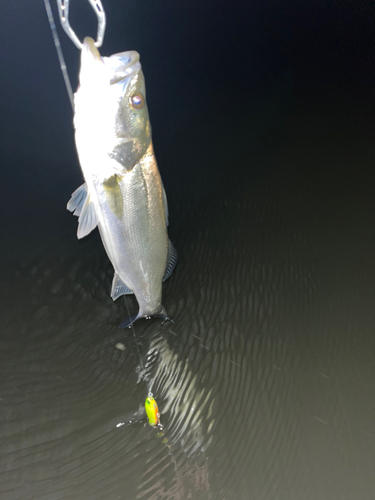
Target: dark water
264 132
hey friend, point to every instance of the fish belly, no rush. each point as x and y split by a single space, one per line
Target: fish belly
132 225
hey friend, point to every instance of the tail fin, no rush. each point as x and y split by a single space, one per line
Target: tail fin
125 323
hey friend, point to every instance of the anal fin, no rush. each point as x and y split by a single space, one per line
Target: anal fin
119 288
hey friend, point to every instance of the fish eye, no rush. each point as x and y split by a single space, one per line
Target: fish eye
137 101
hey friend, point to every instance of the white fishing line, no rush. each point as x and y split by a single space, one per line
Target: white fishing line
60 54
63 12
139 352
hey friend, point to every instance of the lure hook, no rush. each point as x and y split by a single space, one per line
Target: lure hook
63 6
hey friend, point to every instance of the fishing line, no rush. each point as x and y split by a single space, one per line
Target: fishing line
151 406
60 54
63 11
64 71
139 352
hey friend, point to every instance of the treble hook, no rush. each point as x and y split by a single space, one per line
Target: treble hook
63 6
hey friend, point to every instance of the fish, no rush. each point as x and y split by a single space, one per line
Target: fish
123 193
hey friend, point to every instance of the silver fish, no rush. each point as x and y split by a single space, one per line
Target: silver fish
123 192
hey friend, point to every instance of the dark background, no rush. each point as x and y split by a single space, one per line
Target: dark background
219 76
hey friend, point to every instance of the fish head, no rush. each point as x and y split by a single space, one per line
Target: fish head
110 105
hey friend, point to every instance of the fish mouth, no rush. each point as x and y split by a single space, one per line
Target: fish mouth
91 64
122 65
90 49
117 67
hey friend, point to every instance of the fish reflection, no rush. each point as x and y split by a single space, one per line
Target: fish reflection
187 416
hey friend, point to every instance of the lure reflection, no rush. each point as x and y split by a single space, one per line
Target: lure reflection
123 193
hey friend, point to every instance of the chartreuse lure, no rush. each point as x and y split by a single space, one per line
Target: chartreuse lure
152 411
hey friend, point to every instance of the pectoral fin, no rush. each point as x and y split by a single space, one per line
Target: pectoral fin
119 288
82 208
172 260
77 200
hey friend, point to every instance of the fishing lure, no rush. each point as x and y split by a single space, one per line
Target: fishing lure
152 411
